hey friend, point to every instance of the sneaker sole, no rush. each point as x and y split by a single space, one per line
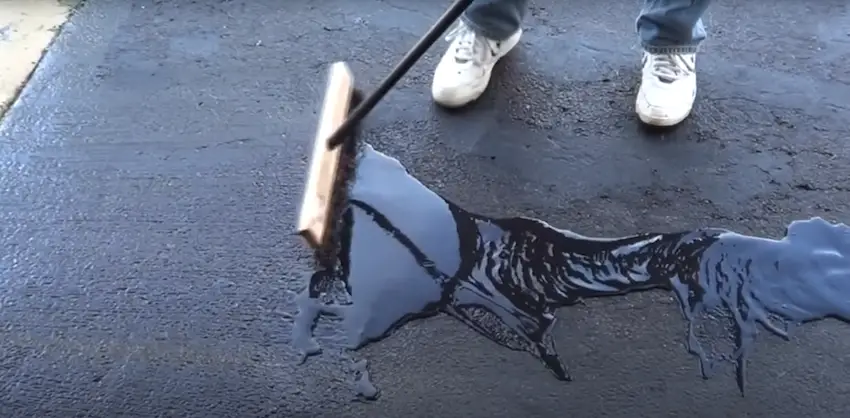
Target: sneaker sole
661 122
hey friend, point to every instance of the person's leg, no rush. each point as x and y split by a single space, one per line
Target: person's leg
487 32
670 32
495 19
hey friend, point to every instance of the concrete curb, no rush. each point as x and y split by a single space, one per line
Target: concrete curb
27 28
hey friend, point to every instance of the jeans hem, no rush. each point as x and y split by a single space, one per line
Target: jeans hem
480 30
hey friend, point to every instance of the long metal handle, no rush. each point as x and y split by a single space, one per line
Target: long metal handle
369 102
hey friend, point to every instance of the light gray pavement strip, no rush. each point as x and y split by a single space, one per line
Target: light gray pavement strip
26 29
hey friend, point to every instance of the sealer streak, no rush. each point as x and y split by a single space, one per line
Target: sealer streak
409 253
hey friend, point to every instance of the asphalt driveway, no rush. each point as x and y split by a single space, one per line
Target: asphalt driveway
150 170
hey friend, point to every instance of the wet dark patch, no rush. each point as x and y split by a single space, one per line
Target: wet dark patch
407 253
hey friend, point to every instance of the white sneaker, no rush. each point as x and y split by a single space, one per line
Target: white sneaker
667 89
464 71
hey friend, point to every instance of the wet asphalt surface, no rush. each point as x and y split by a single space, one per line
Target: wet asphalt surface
150 170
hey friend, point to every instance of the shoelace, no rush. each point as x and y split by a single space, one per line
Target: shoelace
670 67
468 45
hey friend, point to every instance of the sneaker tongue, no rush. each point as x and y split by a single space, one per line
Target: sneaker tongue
465 53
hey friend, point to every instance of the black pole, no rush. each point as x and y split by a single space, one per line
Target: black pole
446 20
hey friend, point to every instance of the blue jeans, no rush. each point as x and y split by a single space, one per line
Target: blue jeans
664 26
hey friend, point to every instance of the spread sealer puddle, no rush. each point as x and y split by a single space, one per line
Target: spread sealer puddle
408 253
